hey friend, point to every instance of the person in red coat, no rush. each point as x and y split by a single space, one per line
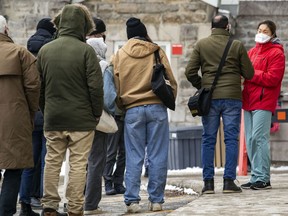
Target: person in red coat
260 95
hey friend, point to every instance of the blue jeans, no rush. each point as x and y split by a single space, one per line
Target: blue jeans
257 135
9 192
39 152
146 126
230 110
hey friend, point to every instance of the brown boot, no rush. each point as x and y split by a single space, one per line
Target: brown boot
52 212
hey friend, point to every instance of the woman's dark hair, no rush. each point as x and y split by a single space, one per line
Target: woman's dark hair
271 25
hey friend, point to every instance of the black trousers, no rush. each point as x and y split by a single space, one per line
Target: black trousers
9 192
115 155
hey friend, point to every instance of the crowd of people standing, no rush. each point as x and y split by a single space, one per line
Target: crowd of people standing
56 89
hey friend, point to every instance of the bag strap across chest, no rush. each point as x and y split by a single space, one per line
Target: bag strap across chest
222 62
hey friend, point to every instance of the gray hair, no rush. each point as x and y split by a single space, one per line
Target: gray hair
3 24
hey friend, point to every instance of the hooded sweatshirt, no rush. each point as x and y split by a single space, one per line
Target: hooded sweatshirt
133 66
72 86
262 92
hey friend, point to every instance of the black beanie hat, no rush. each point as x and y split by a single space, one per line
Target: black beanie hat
100 26
46 23
135 28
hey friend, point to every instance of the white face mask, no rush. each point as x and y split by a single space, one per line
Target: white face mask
262 38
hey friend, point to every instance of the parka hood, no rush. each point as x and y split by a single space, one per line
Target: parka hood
138 48
74 20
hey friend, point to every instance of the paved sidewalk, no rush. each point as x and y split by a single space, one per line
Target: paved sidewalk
272 202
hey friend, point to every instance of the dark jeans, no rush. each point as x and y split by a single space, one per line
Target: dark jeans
9 192
115 154
96 164
230 110
39 152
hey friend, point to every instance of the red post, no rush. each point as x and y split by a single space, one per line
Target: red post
242 163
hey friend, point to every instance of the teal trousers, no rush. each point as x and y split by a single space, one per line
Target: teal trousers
257 135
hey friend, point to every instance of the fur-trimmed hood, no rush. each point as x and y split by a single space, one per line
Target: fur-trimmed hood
74 20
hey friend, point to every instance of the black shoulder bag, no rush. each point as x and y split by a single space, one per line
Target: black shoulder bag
199 104
160 83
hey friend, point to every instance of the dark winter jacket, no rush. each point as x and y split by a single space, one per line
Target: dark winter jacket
72 85
207 54
35 42
39 39
262 92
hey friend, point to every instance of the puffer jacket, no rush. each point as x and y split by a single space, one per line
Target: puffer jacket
207 54
262 92
72 85
19 97
133 65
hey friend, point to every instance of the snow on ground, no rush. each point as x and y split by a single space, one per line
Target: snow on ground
185 172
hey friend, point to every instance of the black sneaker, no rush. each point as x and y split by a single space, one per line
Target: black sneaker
208 187
230 187
261 185
119 188
246 186
109 188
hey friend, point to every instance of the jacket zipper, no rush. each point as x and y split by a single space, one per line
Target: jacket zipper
261 95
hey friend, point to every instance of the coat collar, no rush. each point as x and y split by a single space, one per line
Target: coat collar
6 38
220 31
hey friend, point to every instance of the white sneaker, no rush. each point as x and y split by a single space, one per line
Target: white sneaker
93 212
154 206
133 208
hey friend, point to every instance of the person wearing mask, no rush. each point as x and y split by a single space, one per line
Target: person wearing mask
146 118
71 100
260 96
97 156
226 99
19 96
33 177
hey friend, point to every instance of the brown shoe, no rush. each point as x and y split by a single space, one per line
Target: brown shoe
52 212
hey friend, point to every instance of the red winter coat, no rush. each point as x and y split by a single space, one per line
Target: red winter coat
262 91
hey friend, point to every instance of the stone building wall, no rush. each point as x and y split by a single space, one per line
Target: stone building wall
173 21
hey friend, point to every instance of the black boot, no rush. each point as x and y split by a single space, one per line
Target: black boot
120 189
230 187
26 210
208 187
109 188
